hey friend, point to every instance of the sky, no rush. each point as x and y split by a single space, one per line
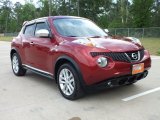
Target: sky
23 1
34 1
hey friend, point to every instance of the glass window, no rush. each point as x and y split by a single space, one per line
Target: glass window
77 28
29 30
41 25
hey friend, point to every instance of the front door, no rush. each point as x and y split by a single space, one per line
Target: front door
42 49
27 38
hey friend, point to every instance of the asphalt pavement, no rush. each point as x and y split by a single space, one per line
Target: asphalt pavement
33 97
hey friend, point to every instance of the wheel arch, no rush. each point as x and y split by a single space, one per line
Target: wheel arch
66 59
13 50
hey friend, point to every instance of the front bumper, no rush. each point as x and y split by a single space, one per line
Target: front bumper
93 74
119 81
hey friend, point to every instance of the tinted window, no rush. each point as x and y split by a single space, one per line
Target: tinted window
41 26
29 30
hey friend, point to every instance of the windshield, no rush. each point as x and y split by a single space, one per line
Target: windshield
78 28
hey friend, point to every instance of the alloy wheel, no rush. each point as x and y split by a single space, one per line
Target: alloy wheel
66 82
15 64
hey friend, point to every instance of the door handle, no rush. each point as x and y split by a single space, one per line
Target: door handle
31 43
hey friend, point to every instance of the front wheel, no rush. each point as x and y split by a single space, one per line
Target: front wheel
68 82
17 68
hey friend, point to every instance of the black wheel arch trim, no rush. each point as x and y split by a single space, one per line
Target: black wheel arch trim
75 65
14 50
17 54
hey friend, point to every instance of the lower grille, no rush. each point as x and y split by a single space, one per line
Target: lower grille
119 81
124 57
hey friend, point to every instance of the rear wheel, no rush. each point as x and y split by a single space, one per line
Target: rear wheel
17 68
68 82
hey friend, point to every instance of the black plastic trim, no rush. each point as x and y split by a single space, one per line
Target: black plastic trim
12 50
119 81
38 72
75 65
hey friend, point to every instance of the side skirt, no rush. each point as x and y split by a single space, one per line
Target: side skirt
38 71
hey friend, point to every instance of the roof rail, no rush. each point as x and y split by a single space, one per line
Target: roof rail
24 22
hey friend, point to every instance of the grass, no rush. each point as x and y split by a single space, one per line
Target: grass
158 52
6 38
151 44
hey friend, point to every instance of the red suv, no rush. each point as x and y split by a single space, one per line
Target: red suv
78 55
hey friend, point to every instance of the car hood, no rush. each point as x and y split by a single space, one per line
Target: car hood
111 44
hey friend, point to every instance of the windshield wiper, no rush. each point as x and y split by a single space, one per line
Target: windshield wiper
95 36
72 36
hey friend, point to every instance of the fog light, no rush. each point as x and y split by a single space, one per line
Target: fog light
102 61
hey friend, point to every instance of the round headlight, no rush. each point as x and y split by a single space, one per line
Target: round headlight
102 61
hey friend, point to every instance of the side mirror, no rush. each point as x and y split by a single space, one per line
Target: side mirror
106 30
42 33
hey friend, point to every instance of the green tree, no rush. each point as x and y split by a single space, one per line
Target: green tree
18 16
43 8
28 12
94 10
156 14
5 15
106 13
141 11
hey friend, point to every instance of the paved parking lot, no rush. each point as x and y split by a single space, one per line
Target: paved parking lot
34 97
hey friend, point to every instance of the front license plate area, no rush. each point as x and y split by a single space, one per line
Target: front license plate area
137 68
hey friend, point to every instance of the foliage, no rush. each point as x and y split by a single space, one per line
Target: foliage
141 11
106 13
156 13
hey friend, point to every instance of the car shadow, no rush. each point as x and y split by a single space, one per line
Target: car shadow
113 93
104 94
51 83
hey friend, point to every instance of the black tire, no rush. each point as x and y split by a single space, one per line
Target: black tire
78 91
20 71
131 83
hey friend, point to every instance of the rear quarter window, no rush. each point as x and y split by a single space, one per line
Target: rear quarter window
29 30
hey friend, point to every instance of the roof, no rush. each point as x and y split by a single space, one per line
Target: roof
45 18
61 17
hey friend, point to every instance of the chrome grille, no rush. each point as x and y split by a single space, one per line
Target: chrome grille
123 57
134 56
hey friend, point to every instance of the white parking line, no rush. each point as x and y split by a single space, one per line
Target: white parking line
141 94
155 58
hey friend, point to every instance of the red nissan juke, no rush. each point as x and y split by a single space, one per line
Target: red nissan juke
77 54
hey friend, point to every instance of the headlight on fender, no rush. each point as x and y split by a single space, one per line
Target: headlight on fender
102 62
135 40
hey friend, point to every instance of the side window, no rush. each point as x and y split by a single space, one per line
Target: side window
29 30
41 25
